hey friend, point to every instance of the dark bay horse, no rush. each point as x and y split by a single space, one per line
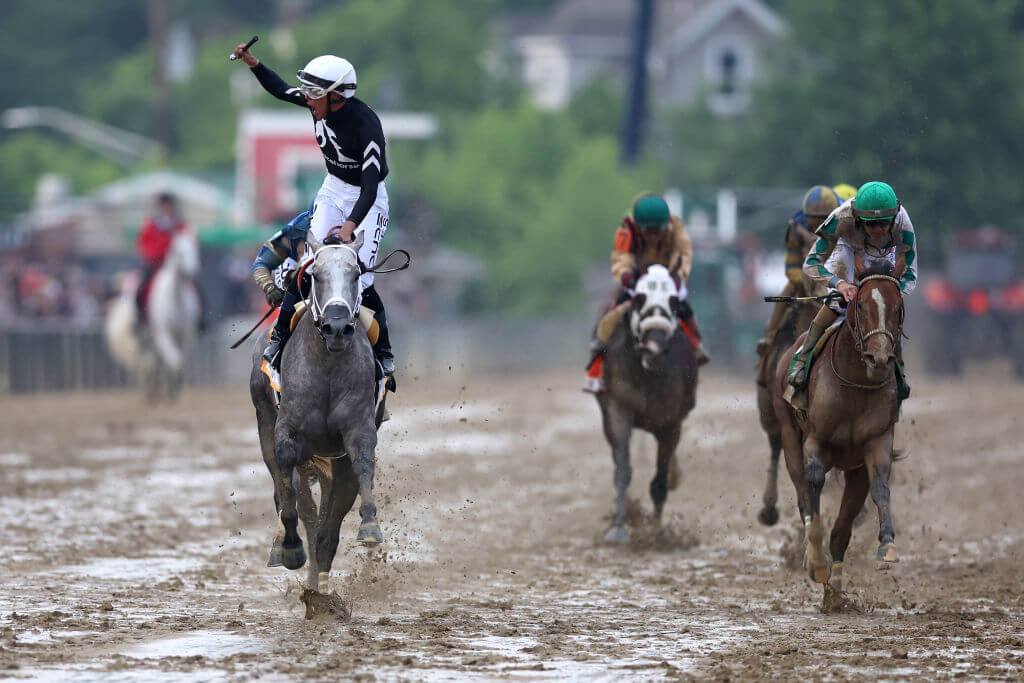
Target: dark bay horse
328 409
797 319
650 377
853 408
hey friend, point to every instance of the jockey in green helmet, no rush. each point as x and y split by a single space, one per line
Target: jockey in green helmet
873 227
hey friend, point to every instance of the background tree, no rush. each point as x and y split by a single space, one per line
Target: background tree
925 95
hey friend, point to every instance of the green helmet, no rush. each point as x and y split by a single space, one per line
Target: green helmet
819 201
875 201
650 211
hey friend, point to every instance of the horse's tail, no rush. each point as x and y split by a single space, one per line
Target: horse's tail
124 347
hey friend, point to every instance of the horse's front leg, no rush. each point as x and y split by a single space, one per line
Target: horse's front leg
308 514
668 439
341 492
878 458
854 493
287 453
361 447
816 466
618 428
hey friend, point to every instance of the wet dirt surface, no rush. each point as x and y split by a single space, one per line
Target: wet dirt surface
135 540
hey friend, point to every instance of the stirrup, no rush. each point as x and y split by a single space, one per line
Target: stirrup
273 349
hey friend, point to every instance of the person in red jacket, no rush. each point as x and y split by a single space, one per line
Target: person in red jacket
154 242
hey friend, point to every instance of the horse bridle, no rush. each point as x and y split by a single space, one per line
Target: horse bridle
862 340
316 309
853 322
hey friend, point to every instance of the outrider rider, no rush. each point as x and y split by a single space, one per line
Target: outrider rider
353 196
153 243
650 235
871 229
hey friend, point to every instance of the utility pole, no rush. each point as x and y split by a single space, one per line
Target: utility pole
159 30
636 107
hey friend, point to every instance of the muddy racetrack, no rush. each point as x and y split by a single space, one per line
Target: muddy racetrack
135 541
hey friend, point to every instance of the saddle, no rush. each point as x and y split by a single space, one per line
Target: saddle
796 397
366 319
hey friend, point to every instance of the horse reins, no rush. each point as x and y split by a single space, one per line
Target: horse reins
861 340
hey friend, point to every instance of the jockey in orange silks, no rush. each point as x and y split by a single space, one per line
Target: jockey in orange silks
651 235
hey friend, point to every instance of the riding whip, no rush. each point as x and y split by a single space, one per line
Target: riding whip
255 327
801 299
232 56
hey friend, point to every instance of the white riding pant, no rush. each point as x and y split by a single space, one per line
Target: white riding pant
332 207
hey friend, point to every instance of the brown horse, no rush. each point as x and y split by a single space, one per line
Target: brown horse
852 410
797 318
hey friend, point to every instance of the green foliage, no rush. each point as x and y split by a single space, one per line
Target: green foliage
926 96
426 53
54 51
25 157
528 192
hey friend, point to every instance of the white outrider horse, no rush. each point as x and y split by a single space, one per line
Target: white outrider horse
157 355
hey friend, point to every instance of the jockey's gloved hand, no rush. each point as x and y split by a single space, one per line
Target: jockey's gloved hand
628 280
274 294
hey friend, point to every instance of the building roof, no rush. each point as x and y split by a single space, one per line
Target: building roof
676 25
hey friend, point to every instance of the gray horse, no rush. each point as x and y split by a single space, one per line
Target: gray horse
327 409
650 377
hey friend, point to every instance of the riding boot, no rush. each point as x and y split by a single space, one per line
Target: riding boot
798 368
382 349
902 385
595 382
140 300
382 352
282 330
688 323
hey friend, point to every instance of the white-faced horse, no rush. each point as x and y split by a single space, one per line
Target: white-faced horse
651 384
173 310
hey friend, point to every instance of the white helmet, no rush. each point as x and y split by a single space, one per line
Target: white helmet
325 74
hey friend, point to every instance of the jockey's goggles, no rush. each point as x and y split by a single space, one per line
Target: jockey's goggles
877 214
316 88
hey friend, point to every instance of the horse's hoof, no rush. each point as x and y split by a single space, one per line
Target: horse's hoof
768 516
836 579
369 534
276 552
819 574
617 534
293 558
887 553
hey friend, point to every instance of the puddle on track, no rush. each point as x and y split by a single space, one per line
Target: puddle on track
209 644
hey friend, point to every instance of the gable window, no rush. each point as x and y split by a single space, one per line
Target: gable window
729 70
